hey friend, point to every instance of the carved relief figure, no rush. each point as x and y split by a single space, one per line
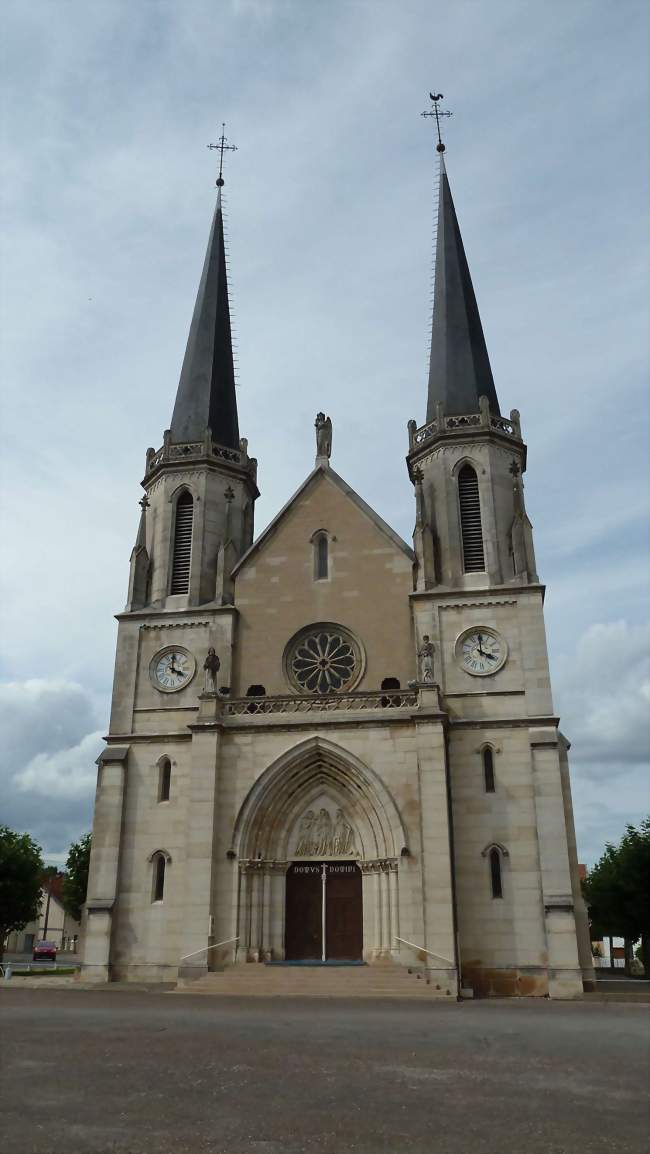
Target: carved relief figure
343 837
211 667
425 657
323 427
304 846
323 839
319 836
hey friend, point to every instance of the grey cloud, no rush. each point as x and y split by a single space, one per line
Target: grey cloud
47 774
105 216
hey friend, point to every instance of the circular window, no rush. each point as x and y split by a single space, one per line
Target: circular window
324 658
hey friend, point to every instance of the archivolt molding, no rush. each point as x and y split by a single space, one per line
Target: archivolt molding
495 845
295 781
160 853
184 484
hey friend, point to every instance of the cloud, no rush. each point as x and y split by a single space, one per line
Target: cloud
68 773
602 691
103 230
47 774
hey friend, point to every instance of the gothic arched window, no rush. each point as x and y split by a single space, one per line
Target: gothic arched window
165 780
470 520
158 889
488 769
180 582
495 873
321 557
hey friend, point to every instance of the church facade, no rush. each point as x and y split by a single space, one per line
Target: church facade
327 744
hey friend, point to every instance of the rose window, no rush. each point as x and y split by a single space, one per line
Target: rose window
325 659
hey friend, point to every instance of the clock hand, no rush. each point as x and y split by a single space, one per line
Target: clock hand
490 656
480 642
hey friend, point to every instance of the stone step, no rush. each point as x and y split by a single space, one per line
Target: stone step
255 980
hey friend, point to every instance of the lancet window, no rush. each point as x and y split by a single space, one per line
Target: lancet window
321 557
495 873
158 889
470 520
180 582
488 769
165 780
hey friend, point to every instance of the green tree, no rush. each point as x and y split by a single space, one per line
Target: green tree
21 872
634 873
75 884
617 889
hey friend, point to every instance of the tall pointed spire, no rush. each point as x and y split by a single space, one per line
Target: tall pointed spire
206 390
459 368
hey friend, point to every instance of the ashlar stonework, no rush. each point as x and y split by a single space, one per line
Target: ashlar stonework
326 744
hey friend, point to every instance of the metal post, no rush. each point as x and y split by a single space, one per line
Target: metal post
323 912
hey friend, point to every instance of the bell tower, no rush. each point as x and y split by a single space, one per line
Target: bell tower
467 460
201 485
478 600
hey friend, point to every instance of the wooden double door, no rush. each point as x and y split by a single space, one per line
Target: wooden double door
324 912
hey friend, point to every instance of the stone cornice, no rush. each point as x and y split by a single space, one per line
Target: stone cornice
503 722
177 735
492 595
161 617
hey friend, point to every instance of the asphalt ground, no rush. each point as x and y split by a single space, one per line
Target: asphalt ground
135 1072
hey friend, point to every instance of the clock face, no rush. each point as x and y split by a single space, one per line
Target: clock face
172 668
481 651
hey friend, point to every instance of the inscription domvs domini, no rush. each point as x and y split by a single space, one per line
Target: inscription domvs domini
339 719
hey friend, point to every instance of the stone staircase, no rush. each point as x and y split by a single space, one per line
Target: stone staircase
256 980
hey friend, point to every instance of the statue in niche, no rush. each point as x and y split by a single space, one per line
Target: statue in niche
425 659
211 667
323 427
304 846
343 836
323 834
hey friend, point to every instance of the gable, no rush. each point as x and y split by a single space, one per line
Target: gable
314 477
366 590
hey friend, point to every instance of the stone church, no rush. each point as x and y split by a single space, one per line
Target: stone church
328 745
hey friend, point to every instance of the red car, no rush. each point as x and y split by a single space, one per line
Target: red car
44 950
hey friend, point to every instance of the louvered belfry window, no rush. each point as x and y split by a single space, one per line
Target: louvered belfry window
182 544
470 520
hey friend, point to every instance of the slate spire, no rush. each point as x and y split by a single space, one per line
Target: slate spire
459 368
206 390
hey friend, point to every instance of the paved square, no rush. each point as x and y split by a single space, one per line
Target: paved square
134 1072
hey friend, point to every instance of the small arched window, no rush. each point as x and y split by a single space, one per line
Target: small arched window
321 557
255 691
495 873
390 683
488 769
165 779
158 889
470 520
182 556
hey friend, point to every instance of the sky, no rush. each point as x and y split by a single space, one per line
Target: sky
107 197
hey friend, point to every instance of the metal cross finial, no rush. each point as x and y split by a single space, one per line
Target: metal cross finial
222 147
437 112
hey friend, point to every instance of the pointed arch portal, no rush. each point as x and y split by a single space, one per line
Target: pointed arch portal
318 839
